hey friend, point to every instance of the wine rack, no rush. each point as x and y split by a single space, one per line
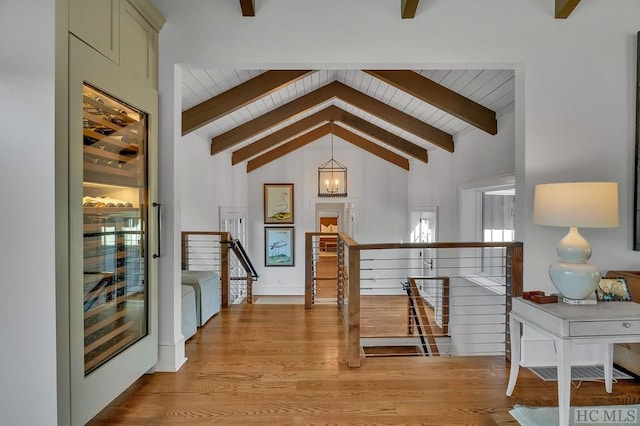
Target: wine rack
114 200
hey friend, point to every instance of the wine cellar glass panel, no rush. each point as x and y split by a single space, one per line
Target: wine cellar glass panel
114 230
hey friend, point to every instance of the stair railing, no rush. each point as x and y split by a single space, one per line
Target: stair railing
367 270
221 253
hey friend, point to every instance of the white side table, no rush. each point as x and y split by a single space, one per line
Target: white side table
605 323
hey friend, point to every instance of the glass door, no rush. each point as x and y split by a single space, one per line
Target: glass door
114 223
424 225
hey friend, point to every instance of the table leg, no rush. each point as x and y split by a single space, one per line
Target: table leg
564 380
608 366
515 332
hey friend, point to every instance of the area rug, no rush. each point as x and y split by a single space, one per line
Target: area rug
609 415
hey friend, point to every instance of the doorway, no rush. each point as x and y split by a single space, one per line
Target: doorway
424 229
330 218
234 220
343 212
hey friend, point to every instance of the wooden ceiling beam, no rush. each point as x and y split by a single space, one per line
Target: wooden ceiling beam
371 147
565 7
319 132
323 94
271 119
408 8
248 7
381 135
395 117
333 113
440 97
277 137
237 97
288 147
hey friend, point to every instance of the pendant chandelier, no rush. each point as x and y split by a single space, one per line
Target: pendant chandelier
332 177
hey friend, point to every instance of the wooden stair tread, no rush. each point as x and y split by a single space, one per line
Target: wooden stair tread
371 351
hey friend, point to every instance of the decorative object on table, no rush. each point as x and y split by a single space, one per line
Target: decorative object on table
332 176
613 289
573 205
538 296
278 203
278 246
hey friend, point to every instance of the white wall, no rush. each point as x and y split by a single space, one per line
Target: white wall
375 185
478 156
207 183
27 134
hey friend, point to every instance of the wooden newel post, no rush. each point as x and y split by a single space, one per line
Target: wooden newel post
308 271
353 327
224 270
514 285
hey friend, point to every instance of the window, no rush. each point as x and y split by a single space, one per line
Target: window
487 214
498 225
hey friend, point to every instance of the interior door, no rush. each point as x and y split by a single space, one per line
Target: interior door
234 220
424 226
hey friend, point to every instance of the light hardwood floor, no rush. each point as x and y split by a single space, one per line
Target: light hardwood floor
284 365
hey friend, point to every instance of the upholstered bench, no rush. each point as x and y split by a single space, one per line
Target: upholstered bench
206 285
189 319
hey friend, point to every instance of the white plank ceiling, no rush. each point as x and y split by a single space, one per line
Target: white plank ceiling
494 89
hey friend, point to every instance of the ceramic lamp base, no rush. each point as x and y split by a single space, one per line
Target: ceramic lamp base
575 280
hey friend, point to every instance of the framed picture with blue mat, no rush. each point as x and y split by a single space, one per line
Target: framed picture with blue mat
279 246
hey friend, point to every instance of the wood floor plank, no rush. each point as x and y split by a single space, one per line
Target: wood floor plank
286 365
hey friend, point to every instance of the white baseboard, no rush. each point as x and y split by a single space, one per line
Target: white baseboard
171 357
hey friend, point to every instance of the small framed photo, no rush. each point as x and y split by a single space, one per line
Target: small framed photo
613 290
278 203
278 246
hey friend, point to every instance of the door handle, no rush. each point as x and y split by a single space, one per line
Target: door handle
159 217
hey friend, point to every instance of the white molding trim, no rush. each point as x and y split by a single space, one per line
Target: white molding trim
171 357
150 13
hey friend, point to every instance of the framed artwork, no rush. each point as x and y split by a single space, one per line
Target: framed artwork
278 246
613 289
278 203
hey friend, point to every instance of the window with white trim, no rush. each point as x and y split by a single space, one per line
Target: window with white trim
487 214
498 225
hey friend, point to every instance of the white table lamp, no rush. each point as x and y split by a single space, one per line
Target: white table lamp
576 204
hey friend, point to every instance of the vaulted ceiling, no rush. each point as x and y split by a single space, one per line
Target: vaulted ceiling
397 115
258 116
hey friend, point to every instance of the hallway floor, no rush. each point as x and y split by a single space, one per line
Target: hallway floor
270 364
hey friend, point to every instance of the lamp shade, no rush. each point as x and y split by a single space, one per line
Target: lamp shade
576 204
